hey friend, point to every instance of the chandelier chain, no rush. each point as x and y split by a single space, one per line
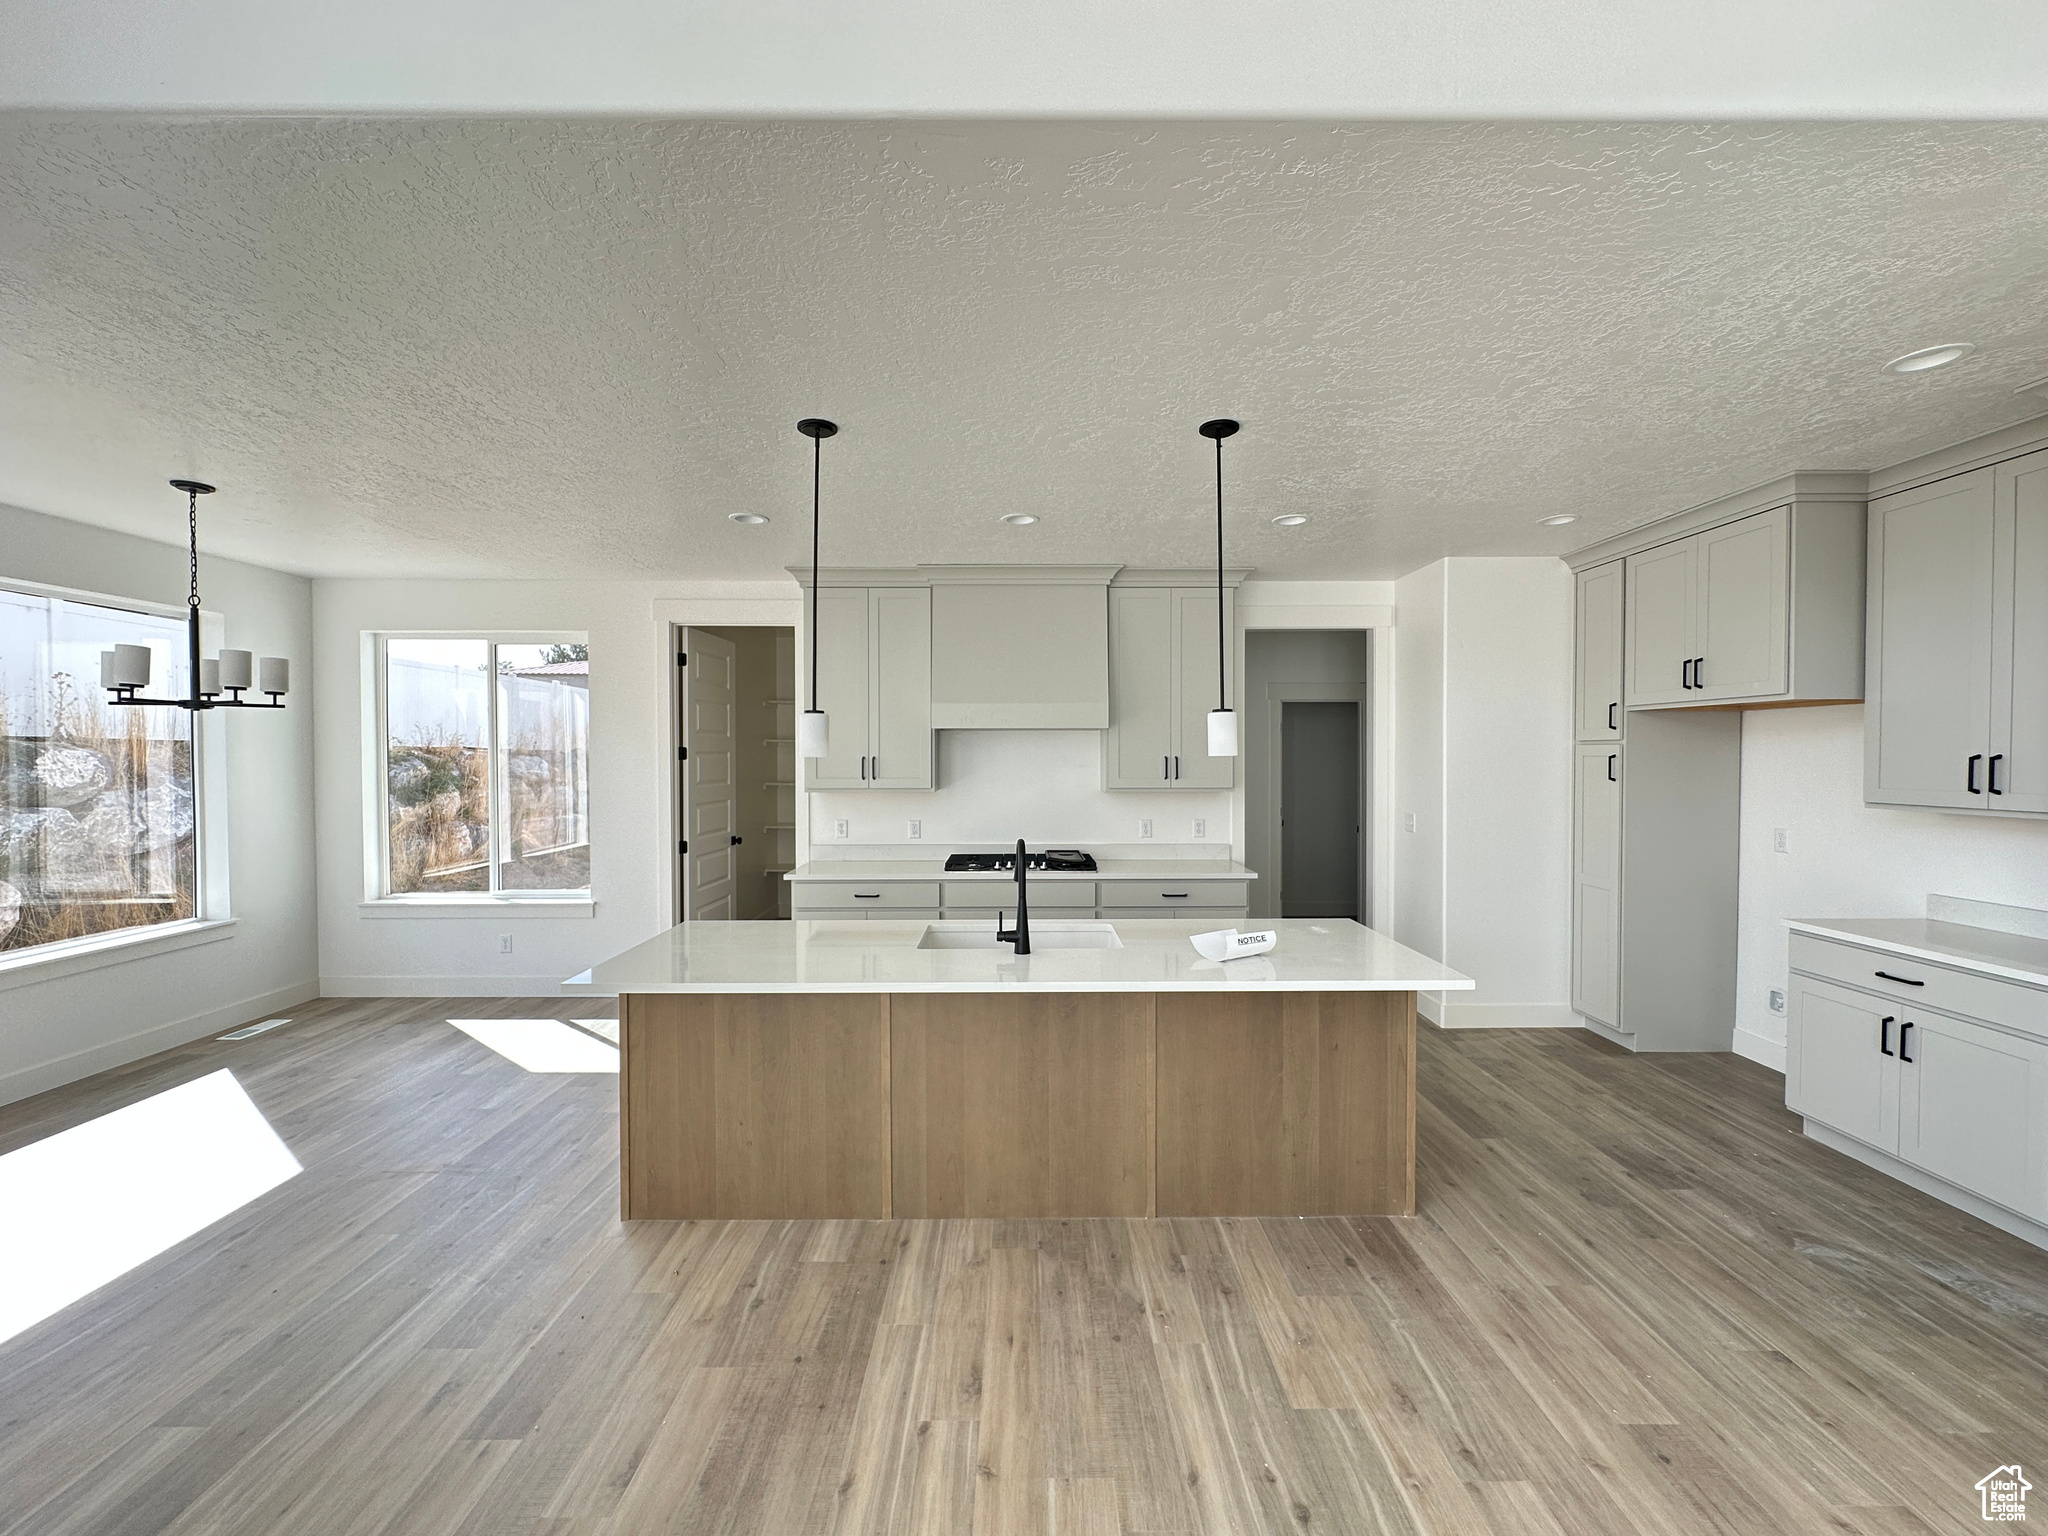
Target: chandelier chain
192 525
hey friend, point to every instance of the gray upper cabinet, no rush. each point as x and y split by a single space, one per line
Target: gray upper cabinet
1959 642
1596 691
875 684
1765 609
1162 665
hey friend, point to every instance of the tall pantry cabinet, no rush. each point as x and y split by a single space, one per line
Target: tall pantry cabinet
1754 602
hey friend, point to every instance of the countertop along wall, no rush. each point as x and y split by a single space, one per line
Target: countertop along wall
1802 770
115 1010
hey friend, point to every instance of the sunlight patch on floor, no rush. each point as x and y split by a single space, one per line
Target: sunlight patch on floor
542 1045
87 1205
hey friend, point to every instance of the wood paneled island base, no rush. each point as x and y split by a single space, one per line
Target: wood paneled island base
931 1104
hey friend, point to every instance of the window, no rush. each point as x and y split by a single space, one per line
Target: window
97 815
486 766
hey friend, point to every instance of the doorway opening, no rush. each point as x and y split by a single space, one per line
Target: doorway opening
736 737
1307 772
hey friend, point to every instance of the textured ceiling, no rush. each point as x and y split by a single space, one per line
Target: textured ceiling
519 349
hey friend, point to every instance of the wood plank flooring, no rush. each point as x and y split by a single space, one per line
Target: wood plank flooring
1633 1300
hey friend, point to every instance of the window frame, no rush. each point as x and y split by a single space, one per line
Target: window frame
212 911
378 820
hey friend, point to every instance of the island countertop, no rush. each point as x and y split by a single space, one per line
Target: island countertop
1313 955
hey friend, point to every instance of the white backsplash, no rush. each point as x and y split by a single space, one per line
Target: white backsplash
1043 786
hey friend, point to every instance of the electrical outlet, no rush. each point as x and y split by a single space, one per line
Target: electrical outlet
1778 840
917 829
1408 822
839 827
1201 827
1145 826
504 943
1777 1001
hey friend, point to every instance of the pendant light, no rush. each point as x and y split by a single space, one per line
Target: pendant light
1222 720
813 731
126 667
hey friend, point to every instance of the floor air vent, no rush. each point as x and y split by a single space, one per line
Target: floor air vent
251 1029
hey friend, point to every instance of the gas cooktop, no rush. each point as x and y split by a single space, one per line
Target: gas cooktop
1052 858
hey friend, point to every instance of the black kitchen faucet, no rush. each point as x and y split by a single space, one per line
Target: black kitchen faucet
1021 934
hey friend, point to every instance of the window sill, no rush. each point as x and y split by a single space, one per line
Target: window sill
472 906
49 962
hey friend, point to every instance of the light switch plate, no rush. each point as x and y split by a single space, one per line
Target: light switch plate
839 827
504 943
917 829
1408 822
1777 1001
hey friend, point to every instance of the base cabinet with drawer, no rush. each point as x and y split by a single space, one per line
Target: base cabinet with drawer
1957 1099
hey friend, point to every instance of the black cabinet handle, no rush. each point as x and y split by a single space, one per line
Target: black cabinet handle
1165 765
1905 981
1685 673
1991 773
863 768
736 841
1610 766
867 895
1611 724
1174 895
1699 671
1884 1033
1908 1024
1975 759
1176 765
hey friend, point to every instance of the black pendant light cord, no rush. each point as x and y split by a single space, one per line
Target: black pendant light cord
1221 668
191 490
817 459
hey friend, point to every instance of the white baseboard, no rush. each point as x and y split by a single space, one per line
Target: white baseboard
1765 1053
1504 1016
549 985
2006 1221
1607 1032
1431 1006
25 1082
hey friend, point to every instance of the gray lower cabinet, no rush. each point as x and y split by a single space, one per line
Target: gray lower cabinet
875 685
1961 1100
1958 641
1596 884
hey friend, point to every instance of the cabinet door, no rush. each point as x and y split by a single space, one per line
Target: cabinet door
843 678
1973 1109
1742 608
1597 651
1196 620
1660 623
1929 643
1596 884
1836 1069
2017 778
900 688
1137 750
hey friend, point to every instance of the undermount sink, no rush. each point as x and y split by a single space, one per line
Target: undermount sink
1053 935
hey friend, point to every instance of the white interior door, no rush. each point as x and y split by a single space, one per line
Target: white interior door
2016 777
1932 557
710 805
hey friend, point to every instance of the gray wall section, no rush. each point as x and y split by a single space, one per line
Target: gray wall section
1283 656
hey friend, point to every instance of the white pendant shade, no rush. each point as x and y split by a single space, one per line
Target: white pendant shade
1223 733
209 679
125 666
237 669
276 673
812 733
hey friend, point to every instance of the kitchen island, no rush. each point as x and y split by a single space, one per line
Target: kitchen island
914 1069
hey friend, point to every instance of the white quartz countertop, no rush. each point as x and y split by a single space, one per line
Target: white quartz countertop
869 871
2011 956
1313 955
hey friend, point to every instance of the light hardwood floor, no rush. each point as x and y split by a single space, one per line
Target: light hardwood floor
1634 1300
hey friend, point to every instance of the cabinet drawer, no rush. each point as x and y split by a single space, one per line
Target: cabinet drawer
881 915
1214 915
1951 991
1167 896
1001 895
813 896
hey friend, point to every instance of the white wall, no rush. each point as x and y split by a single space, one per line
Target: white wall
1483 707
1042 786
1802 769
57 1030
371 950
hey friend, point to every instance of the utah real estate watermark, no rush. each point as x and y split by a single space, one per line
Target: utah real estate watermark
2004 1492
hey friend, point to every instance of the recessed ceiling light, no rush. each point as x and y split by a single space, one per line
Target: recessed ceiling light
1560 520
751 519
1019 519
1291 519
1930 357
